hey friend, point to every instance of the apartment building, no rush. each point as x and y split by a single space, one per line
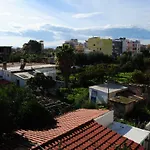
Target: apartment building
119 46
133 46
100 45
125 45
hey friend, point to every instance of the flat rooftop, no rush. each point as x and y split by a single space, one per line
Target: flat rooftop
112 88
130 132
122 99
24 75
29 66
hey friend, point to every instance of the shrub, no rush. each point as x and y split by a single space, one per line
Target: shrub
32 115
138 77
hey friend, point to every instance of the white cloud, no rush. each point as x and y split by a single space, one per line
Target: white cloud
86 15
14 41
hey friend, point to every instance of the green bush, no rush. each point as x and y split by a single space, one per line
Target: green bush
138 76
32 115
19 109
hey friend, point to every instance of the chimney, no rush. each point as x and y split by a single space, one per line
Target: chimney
4 65
22 64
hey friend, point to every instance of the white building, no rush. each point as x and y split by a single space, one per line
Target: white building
137 135
20 77
100 93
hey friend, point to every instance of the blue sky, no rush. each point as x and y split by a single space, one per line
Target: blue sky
55 21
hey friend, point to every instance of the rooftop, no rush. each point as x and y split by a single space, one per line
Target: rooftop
112 88
126 97
90 135
65 124
122 99
129 131
28 66
24 75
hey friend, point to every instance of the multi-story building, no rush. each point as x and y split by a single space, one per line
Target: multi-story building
79 47
133 46
101 45
119 46
5 52
125 45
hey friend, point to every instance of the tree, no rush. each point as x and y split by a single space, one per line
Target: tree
18 106
65 57
138 76
32 47
41 82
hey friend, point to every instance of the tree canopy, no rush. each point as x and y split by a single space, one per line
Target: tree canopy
65 57
41 82
20 109
32 47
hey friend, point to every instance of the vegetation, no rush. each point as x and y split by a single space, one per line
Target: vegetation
92 58
19 109
125 77
41 83
65 58
32 47
79 97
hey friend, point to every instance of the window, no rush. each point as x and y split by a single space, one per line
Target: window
100 49
93 44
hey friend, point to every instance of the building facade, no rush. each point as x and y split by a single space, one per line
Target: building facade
79 48
5 52
100 45
125 45
133 46
119 46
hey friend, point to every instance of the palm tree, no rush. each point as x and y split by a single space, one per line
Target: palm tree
65 58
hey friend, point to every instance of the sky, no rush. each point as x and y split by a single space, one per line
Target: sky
55 21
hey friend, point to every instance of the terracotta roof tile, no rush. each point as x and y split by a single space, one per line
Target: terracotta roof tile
65 124
89 136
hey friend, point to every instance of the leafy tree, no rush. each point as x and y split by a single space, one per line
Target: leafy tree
92 58
138 77
41 82
32 47
16 56
65 57
127 67
32 115
18 107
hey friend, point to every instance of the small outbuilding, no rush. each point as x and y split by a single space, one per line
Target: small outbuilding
101 93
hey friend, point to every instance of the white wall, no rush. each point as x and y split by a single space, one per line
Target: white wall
50 71
124 46
7 75
101 97
106 119
22 82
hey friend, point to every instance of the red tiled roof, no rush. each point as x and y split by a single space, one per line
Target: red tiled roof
90 136
66 123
